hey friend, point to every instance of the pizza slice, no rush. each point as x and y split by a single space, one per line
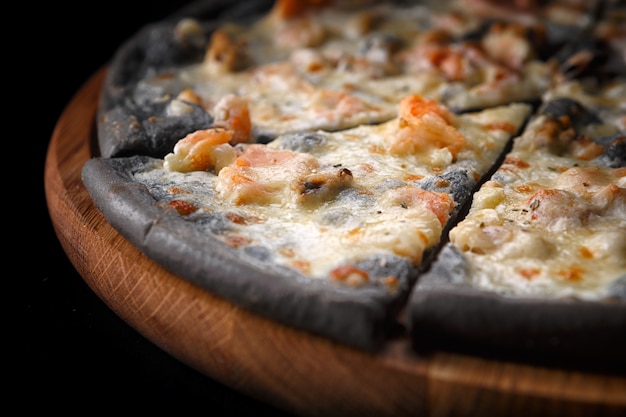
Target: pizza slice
297 66
324 231
539 263
305 66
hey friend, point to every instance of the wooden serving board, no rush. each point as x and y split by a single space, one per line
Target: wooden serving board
284 367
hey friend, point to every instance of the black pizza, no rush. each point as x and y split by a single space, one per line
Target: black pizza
453 172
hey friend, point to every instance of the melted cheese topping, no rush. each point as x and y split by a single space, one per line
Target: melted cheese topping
548 224
336 68
375 89
317 202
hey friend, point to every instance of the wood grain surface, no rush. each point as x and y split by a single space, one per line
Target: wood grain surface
287 368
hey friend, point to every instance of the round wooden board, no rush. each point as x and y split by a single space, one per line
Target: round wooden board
287 368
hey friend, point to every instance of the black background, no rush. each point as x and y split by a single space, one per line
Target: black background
69 351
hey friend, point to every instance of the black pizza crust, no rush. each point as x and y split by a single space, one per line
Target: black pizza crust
360 317
135 124
445 311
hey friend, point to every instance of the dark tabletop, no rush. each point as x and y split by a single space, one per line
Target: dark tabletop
70 351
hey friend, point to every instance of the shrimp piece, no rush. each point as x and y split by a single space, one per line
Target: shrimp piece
436 52
305 32
432 55
262 175
293 24
452 64
425 125
557 210
231 112
440 204
225 53
289 9
201 150
584 180
182 104
414 107
336 106
610 200
409 220
508 44
190 96
471 237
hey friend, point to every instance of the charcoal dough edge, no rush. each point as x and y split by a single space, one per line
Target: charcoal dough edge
127 128
357 317
443 310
